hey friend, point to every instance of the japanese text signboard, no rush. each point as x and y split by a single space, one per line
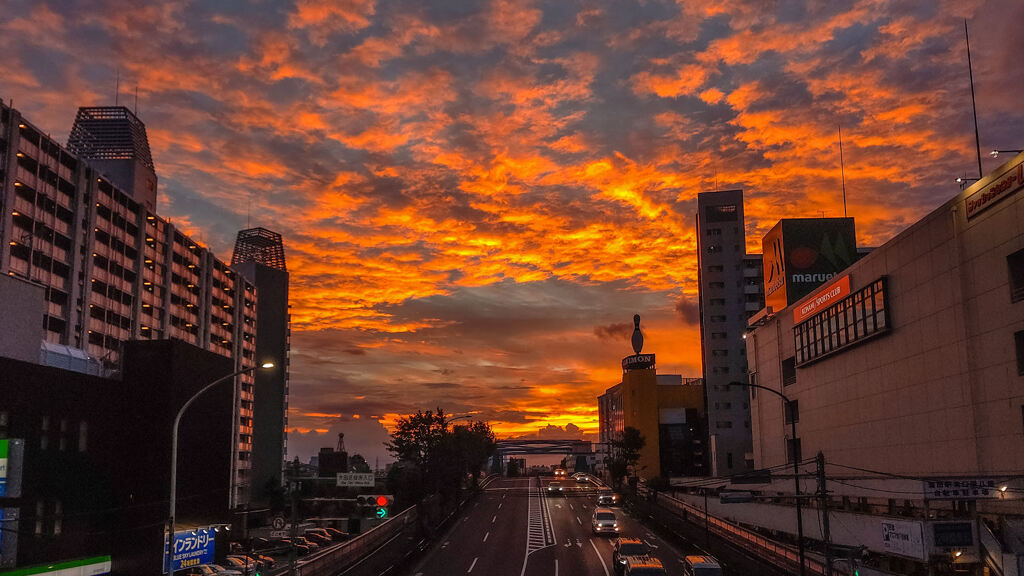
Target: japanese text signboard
960 489
903 538
356 479
190 549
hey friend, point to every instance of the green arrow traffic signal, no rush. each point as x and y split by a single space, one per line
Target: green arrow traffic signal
382 512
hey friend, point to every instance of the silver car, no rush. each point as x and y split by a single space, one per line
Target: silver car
604 522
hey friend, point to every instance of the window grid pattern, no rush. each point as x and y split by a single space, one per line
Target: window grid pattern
861 315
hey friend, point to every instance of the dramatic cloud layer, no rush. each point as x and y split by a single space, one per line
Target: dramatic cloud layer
477 196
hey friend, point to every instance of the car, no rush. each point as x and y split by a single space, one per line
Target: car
246 566
266 546
608 500
643 566
559 472
625 547
211 570
300 548
604 522
257 559
313 546
702 565
581 477
555 487
320 538
337 534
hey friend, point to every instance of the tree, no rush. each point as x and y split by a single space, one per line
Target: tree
443 457
625 449
358 464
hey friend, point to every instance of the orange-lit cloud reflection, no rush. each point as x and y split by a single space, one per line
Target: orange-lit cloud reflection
472 196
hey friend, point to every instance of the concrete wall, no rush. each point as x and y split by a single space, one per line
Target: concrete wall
21 308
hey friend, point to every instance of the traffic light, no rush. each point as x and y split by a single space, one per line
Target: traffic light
380 504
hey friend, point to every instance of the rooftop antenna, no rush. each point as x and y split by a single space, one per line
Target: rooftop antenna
974 106
117 86
842 168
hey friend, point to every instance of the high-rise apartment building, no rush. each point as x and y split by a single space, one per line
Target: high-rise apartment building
730 291
259 257
112 270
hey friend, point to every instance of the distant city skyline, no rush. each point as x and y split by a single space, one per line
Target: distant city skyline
476 198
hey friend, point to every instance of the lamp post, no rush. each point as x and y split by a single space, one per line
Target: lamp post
174 455
996 153
796 469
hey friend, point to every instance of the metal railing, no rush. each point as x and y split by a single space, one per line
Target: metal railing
334 560
769 550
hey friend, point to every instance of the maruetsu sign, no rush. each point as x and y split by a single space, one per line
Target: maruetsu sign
1007 183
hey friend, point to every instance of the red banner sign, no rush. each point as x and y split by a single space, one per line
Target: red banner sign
822 299
1007 183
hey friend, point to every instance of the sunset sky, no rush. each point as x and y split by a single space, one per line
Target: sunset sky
476 197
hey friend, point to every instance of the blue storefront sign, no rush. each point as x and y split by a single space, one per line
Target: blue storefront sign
190 549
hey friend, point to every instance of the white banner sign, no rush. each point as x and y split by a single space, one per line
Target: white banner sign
903 538
356 480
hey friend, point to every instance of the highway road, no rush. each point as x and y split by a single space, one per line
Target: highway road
515 529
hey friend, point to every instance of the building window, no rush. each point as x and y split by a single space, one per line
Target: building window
722 424
1018 337
714 231
861 315
789 371
716 268
714 248
716 285
719 335
1015 262
792 411
40 510
44 437
726 213
719 318
720 353
717 301
728 459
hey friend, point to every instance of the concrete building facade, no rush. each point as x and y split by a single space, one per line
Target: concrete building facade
731 290
911 363
111 269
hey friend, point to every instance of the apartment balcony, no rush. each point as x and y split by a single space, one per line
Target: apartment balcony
751 288
752 306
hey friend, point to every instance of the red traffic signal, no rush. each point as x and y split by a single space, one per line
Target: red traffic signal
382 500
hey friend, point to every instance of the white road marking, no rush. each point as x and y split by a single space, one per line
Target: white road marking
578 520
500 503
603 565
486 535
496 517
651 545
556 566
571 508
474 564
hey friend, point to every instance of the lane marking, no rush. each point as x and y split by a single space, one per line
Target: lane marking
474 564
500 503
578 521
488 534
556 566
493 519
603 565
571 508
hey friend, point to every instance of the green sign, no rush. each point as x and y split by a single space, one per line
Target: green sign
382 512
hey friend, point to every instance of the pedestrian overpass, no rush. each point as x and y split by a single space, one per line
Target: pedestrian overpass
517 447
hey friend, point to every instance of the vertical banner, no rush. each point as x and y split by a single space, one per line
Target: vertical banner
190 549
3 467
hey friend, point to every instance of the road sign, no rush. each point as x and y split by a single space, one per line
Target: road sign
278 522
356 479
278 533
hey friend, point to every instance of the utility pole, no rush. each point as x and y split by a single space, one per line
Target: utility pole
823 496
295 487
707 522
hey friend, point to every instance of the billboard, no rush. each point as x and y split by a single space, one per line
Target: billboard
903 538
12 451
191 548
801 254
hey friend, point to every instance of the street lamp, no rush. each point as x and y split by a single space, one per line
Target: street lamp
996 153
796 468
174 453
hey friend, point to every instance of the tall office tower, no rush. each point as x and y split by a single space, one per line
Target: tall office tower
111 270
259 257
731 291
113 140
